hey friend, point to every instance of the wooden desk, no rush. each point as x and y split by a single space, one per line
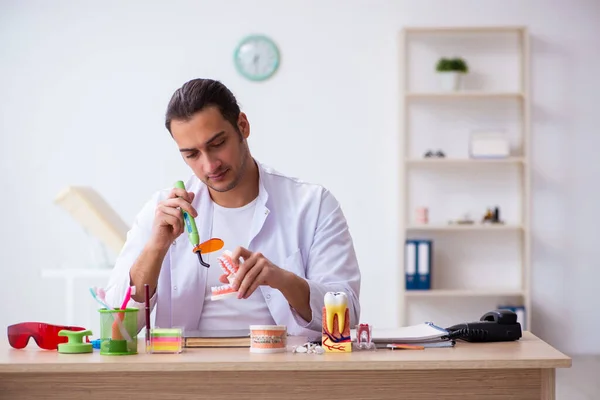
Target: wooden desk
515 370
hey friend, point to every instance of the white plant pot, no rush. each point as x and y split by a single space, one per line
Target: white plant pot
450 81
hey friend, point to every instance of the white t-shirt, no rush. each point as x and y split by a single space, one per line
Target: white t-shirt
232 225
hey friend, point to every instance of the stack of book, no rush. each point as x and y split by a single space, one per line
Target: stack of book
418 264
217 338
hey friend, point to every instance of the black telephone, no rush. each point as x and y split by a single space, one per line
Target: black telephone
494 326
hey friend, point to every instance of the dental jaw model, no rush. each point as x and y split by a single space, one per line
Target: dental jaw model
229 268
336 323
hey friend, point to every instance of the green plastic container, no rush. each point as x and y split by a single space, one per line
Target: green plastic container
118 340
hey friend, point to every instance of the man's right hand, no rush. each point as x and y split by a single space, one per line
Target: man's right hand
168 219
167 226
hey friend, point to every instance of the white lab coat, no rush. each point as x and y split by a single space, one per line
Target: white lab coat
297 225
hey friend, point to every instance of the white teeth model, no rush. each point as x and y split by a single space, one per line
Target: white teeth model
336 304
226 262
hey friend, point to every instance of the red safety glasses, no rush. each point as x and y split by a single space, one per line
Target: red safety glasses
45 335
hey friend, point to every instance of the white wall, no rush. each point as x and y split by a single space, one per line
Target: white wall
82 81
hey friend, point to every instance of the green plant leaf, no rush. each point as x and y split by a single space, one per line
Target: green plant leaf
452 64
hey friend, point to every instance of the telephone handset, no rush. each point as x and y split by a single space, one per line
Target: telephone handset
493 326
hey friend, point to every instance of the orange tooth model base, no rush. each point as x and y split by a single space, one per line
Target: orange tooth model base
229 270
336 342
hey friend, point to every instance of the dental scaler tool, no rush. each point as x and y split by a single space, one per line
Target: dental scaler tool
209 246
192 230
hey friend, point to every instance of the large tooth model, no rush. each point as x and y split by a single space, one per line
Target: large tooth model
336 323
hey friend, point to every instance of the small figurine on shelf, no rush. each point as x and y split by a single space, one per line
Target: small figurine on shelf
465 220
422 215
492 216
431 154
336 323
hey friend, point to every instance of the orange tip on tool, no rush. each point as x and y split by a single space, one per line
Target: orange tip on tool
209 246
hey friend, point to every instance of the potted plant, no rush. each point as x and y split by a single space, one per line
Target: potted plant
450 71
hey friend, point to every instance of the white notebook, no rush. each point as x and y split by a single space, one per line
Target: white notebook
425 332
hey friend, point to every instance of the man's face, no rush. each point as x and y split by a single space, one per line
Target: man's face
213 148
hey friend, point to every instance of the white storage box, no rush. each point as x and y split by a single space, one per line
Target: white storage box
489 145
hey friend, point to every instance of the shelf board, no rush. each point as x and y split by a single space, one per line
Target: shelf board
466 29
464 293
464 95
465 227
464 161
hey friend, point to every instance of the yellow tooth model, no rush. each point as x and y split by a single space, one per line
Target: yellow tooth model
336 323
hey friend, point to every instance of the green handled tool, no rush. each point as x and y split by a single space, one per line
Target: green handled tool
190 227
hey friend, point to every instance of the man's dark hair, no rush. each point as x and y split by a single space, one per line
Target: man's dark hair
198 94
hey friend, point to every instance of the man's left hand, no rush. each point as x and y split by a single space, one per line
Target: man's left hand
256 270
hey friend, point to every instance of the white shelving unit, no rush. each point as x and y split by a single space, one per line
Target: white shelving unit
486 102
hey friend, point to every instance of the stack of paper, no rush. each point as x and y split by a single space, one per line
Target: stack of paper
425 334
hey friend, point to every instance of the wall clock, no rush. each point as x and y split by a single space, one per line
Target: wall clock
257 57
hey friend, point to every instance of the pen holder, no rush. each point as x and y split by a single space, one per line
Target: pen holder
118 331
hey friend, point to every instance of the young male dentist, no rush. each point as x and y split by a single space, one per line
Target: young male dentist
291 235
